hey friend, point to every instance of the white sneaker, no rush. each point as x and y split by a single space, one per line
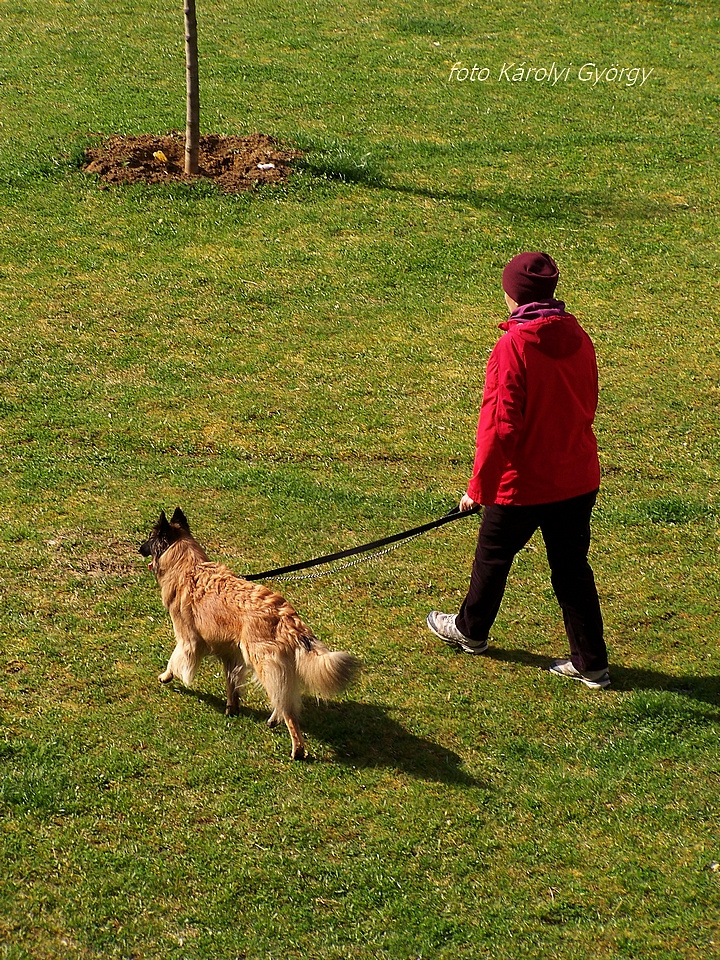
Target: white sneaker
443 625
595 679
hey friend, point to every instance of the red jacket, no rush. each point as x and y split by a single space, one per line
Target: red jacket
535 442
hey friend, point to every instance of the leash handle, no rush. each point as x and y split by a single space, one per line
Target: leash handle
453 514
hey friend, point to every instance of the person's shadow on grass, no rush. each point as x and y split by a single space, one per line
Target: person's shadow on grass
706 689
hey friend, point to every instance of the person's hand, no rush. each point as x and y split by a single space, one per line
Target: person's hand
467 503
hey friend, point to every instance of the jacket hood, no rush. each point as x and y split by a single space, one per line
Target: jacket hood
547 327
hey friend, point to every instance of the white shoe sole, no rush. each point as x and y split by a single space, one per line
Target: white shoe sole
599 684
458 644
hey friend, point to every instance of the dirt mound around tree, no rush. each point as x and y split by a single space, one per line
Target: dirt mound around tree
233 163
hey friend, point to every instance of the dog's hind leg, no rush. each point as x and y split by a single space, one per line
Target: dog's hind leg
298 744
281 686
235 677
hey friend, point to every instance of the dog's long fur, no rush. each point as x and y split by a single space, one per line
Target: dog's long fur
248 627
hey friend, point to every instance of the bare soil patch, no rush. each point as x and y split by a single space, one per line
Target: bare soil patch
233 163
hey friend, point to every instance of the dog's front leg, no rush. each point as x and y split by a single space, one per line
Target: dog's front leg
171 668
167 676
183 663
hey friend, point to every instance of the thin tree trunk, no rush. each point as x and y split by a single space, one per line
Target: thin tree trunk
192 125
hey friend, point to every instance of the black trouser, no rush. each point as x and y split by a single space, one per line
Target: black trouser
565 528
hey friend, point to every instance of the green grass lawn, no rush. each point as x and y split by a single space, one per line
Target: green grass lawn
300 369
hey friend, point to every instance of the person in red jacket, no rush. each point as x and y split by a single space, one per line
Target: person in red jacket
536 466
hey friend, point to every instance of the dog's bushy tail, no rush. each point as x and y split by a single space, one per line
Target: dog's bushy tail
322 671
325 672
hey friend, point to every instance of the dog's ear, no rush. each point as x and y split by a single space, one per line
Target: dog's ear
161 533
180 520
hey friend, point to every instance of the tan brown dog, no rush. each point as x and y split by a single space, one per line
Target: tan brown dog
248 627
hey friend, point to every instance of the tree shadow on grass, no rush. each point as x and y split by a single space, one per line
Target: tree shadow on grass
363 735
573 206
704 689
558 204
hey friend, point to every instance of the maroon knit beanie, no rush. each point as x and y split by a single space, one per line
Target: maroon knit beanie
530 277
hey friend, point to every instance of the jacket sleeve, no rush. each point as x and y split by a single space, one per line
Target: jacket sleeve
501 420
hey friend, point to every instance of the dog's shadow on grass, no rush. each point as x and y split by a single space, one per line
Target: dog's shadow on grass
366 735
704 689
362 735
